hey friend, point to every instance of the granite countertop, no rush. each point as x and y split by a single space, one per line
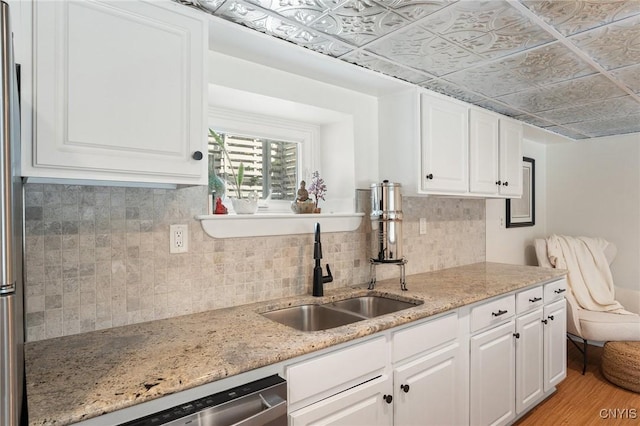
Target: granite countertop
77 377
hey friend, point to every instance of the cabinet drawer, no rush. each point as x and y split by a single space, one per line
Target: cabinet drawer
492 312
555 290
529 299
326 375
419 338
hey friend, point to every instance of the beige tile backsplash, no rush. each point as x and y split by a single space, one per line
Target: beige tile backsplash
98 257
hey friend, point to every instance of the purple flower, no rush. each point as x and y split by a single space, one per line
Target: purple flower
317 188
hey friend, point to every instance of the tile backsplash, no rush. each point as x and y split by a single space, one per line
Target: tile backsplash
98 257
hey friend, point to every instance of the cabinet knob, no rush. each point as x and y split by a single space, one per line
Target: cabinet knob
505 184
405 388
429 176
388 399
516 335
550 317
499 182
197 155
544 321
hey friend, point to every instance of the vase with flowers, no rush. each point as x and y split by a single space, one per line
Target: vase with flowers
241 205
318 189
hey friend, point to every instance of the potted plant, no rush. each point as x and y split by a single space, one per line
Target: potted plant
317 188
240 205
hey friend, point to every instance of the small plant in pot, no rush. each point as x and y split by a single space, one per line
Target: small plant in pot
241 205
318 189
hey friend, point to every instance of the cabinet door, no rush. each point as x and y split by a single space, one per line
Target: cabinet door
492 384
529 359
555 344
363 405
428 391
510 158
120 92
445 145
483 152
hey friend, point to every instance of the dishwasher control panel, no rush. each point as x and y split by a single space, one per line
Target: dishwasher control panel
264 401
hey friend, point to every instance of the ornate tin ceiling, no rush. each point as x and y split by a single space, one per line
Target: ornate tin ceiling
572 67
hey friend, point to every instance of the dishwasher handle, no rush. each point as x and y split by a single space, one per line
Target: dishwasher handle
276 408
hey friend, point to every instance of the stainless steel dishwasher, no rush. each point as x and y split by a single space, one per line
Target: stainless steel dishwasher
259 403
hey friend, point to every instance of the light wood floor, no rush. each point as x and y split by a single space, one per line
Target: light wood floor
579 399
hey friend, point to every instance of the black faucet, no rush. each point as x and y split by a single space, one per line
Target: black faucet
318 278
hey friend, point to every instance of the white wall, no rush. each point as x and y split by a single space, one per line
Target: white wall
594 190
362 147
515 245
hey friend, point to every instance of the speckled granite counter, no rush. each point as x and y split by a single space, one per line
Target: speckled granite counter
77 377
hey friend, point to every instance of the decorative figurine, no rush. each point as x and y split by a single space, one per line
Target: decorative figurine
220 208
303 194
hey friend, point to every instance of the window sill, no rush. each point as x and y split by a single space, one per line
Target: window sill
262 224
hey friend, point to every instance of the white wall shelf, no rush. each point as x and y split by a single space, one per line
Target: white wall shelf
259 225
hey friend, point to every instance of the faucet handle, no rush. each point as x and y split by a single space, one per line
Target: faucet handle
328 278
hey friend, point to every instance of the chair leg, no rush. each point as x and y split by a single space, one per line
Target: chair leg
582 350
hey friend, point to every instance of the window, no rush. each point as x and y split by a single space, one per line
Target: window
276 155
270 166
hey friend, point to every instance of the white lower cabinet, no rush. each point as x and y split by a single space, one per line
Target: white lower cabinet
363 405
492 382
423 381
529 359
555 343
427 391
516 364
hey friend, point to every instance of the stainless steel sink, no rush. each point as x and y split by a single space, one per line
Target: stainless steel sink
335 314
373 306
312 317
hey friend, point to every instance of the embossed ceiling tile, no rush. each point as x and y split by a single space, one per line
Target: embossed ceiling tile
257 19
320 43
452 90
608 126
548 64
385 67
534 100
499 107
359 22
613 46
534 121
571 17
567 132
417 48
491 80
610 108
629 76
564 94
206 5
415 9
467 20
303 11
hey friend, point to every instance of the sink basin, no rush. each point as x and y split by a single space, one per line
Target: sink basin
335 314
372 306
312 317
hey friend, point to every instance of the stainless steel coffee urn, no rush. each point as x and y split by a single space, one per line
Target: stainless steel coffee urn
386 226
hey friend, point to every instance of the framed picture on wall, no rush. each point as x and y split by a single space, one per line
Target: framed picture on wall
522 211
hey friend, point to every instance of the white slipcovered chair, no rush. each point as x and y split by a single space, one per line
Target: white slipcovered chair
592 326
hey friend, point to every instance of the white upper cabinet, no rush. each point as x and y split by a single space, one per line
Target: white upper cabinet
444 141
119 92
495 155
484 169
432 144
510 158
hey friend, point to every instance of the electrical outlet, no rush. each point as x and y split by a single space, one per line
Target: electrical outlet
423 225
179 238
